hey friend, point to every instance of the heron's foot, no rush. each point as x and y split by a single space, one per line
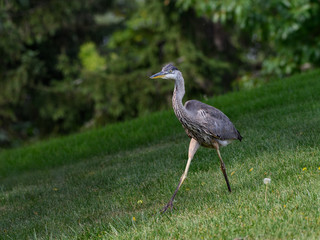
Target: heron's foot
166 207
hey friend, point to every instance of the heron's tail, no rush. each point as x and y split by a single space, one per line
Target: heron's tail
239 136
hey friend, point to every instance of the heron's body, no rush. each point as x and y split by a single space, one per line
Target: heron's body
205 125
202 122
217 130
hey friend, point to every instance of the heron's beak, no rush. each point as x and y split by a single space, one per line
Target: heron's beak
158 75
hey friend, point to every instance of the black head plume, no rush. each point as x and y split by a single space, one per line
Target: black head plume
169 67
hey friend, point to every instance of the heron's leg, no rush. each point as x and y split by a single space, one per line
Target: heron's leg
222 166
193 147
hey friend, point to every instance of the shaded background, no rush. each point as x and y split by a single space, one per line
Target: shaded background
67 66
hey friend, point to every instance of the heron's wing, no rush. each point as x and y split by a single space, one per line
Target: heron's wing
212 120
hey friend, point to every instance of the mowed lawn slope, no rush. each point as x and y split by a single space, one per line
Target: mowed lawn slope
110 183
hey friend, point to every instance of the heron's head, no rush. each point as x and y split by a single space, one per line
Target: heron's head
168 72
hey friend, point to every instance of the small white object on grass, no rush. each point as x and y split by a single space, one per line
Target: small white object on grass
266 180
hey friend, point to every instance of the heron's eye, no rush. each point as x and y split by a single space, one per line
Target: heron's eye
170 71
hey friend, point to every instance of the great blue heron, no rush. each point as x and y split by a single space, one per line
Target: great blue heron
204 124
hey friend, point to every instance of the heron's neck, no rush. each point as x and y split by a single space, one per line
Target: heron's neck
177 97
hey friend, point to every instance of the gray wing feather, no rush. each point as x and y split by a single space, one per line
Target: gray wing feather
212 120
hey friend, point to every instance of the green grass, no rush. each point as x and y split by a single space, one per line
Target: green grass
89 185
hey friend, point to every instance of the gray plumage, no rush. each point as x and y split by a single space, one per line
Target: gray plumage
205 125
212 122
201 121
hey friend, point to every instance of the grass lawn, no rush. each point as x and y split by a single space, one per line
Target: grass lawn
110 183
